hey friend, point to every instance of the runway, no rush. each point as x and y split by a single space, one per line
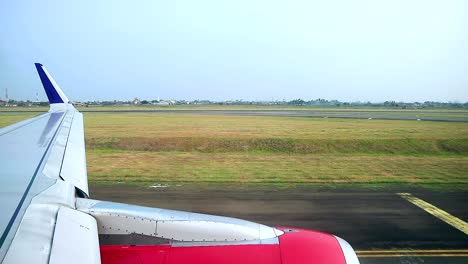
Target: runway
452 116
382 226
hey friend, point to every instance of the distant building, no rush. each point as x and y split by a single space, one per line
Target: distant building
162 103
79 104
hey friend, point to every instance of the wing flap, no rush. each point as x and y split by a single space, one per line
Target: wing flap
75 238
53 164
74 160
33 240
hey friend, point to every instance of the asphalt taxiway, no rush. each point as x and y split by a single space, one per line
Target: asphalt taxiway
453 116
384 226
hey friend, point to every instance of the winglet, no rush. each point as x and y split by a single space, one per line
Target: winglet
53 91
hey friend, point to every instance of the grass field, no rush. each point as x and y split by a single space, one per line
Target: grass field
8 119
156 148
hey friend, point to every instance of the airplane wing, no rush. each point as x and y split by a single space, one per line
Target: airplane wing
43 169
47 216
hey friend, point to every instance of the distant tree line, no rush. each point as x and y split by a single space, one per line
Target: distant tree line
388 104
296 102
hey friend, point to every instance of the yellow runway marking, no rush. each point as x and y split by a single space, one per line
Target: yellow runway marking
412 255
439 213
415 251
393 253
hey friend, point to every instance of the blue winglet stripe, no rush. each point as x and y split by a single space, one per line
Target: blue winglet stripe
52 94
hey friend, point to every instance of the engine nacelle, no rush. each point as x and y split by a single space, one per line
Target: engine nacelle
184 237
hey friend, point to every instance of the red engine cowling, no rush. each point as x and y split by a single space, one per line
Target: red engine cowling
296 246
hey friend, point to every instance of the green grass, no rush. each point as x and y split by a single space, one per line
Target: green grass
408 146
274 168
277 151
293 135
280 151
141 125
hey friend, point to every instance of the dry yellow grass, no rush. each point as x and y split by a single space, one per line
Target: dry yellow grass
273 168
279 150
219 126
7 119
217 133
274 150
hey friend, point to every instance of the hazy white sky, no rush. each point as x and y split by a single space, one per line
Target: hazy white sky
347 50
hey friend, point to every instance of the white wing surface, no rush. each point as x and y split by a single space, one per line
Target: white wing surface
43 170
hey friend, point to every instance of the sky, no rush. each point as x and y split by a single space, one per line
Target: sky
376 50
